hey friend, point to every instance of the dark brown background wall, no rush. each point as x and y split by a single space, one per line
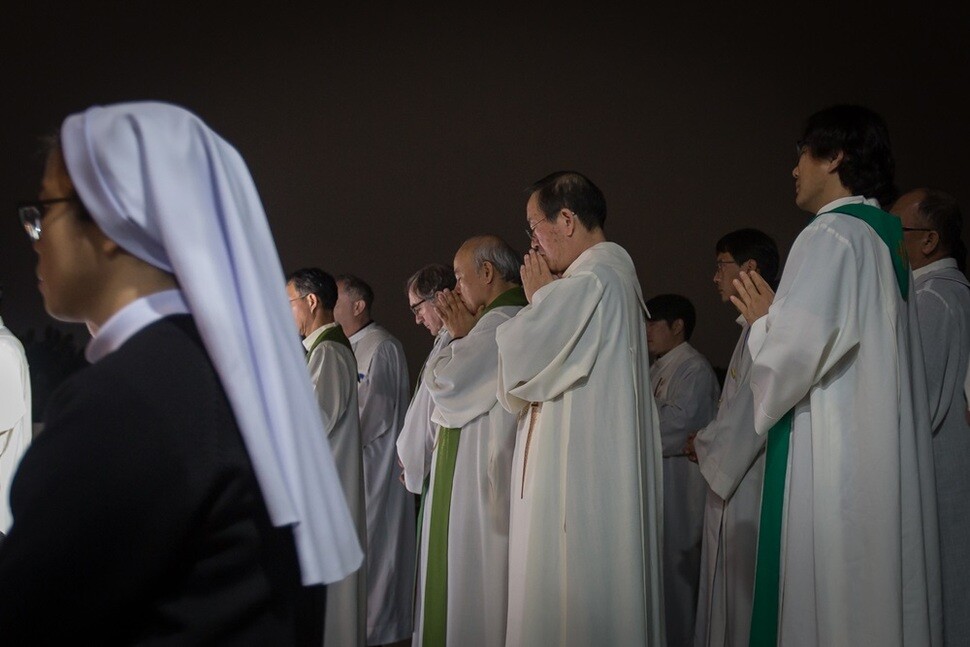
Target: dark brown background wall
380 136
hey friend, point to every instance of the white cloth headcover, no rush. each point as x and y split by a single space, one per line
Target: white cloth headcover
173 193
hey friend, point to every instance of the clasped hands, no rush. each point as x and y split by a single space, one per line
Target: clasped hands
535 273
455 315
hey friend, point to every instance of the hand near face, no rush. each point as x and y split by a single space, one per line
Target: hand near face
754 296
535 273
455 315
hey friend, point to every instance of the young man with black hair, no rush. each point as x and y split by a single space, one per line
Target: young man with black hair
848 550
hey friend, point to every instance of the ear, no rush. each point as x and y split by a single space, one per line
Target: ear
359 306
931 243
749 265
677 328
312 302
836 161
488 271
569 221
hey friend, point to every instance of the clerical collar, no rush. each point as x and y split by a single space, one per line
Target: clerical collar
138 314
312 337
852 199
936 266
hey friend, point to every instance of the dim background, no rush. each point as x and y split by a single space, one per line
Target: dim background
381 135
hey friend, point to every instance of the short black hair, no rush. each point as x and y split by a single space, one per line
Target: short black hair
670 308
942 213
313 280
358 288
861 135
573 191
430 280
752 244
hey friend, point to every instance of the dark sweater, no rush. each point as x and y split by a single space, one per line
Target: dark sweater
137 516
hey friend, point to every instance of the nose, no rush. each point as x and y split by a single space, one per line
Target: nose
794 172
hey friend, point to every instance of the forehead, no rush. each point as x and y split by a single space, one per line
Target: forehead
907 206
724 256
532 209
291 289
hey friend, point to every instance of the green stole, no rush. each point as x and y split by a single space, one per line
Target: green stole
334 334
446 455
764 613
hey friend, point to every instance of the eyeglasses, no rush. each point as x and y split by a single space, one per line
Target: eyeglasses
530 231
719 265
918 229
415 307
302 296
32 214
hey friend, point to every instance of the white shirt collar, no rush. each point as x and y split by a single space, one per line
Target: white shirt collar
671 356
936 266
361 333
741 321
852 199
312 337
133 317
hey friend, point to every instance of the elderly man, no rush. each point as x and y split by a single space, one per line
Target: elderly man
848 552
333 371
382 396
15 415
932 226
731 458
464 536
416 442
685 389
145 512
585 537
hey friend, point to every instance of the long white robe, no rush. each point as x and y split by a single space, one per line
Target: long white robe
859 545
461 379
416 442
943 302
587 515
731 457
333 371
15 416
685 389
382 395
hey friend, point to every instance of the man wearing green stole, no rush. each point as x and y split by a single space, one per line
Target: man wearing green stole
847 550
463 573
333 370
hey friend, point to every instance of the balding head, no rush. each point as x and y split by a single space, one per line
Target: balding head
932 227
485 267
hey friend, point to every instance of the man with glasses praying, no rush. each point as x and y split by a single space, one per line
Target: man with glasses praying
932 228
587 510
182 488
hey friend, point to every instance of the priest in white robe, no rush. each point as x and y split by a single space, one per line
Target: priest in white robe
731 458
415 445
463 577
932 226
587 516
686 391
382 396
848 551
333 371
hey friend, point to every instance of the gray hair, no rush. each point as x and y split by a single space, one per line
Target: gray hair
506 261
430 280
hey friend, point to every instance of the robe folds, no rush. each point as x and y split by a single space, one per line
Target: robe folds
415 445
586 525
382 395
333 371
839 348
686 391
731 457
461 380
15 416
943 303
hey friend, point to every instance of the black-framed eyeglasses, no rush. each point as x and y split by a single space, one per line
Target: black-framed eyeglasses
32 214
415 307
918 229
